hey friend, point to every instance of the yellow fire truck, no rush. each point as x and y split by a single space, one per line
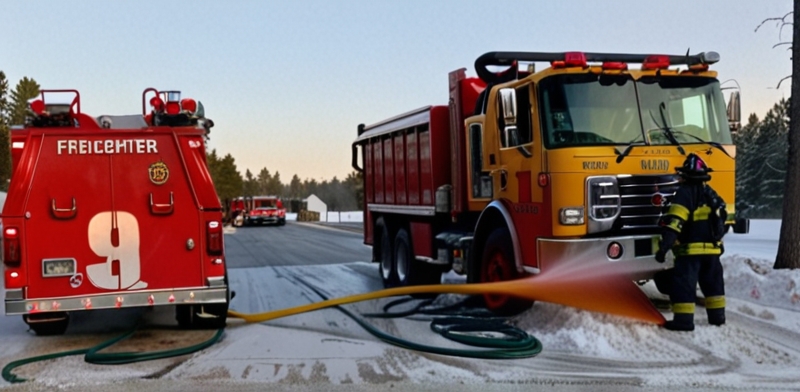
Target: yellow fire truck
525 169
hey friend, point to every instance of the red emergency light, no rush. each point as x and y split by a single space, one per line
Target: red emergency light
575 59
157 104
571 59
615 66
38 106
173 107
656 62
189 105
11 248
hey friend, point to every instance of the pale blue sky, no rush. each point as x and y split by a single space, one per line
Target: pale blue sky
287 82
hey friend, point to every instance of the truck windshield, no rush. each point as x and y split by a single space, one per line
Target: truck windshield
590 110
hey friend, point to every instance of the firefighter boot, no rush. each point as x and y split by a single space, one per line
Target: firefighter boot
681 322
716 316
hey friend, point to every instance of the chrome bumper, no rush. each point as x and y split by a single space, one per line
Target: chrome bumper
16 304
639 250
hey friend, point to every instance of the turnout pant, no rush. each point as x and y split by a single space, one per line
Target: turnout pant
688 272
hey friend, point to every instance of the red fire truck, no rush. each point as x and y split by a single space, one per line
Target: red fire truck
525 169
258 210
112 212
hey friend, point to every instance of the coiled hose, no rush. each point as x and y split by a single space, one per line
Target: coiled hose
511 343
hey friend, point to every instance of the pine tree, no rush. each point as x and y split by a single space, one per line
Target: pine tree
770 163
227 180
250 184
295 187
26 89
264 179
746 150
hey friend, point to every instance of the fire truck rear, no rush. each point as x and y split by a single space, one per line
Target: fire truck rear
113 212
523 170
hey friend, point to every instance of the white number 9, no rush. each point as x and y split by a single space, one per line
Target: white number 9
115 235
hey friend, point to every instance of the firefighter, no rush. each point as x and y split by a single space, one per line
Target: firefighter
687 231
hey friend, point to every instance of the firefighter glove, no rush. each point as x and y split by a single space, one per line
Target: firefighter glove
661 255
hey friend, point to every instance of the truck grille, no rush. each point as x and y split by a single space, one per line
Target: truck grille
638 202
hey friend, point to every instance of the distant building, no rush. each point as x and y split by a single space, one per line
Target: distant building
314 203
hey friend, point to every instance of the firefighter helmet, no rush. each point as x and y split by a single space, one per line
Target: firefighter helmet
694 168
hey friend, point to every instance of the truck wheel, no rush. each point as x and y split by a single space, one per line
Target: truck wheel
47 324
409 270
497 265
386 261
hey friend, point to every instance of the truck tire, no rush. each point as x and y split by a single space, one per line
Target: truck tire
385 252
47 324
409 270
497 265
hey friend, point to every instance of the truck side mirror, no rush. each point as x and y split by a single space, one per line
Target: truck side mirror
508 108
734 112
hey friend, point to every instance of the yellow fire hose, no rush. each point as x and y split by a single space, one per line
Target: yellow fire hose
606 290
616 295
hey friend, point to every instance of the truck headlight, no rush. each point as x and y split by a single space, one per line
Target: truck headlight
604 202
571 215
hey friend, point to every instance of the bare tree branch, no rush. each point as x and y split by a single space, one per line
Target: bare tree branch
781 20
780 31
781 81
781 43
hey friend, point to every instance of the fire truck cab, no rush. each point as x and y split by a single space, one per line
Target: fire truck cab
113 212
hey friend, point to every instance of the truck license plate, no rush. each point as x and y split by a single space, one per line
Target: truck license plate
58 267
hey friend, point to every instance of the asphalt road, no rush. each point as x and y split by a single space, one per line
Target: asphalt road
260 246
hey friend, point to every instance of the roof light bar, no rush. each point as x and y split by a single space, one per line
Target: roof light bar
556 59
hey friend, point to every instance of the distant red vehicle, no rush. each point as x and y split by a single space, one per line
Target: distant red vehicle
112 212
258 210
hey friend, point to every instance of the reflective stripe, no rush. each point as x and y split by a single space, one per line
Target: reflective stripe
683 307
715 302
679 211
698 248
675 224
702 213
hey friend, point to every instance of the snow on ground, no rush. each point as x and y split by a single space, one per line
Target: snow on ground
758 349
758 343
